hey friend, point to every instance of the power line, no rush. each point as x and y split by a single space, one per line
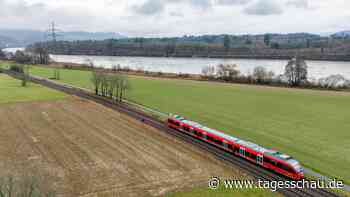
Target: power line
53 32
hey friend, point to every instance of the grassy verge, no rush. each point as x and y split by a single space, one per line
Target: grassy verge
310 125
12 91
222 192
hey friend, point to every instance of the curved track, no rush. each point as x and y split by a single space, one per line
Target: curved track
252 169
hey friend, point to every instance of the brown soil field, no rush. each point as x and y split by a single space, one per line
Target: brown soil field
91 150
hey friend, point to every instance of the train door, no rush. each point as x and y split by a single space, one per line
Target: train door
260 159
226 145
242 151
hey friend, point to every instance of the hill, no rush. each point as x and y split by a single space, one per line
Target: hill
342 34
22 38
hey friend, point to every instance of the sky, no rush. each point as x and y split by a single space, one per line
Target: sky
165 18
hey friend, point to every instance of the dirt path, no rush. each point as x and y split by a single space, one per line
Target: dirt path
94 151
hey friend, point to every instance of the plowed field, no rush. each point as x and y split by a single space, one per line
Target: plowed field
94 151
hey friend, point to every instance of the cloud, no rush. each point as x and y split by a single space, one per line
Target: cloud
150 7
203 4
176 14
264 8
21 14
298 3
232 2
177 17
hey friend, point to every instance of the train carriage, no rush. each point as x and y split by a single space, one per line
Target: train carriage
267 158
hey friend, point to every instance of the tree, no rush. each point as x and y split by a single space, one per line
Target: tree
275 45
96 80
334 81
140 41
2 54
296 71
208 71
104 84
227 72
22 58
40 54
267 39
308 43
248 41
227 42
260 74
123 86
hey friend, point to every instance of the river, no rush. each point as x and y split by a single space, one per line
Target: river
316 69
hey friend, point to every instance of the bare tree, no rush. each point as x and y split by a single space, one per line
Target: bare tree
104 84
296 71
208 71
96 80
113 86
227 72
39 53
260 74
22 58
123 86
2 54
90 63
115 83
334 82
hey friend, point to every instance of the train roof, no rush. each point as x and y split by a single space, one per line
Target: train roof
247 144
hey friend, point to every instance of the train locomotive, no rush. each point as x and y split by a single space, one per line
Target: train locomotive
266 158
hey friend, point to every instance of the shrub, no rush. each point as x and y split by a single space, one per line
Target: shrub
17 68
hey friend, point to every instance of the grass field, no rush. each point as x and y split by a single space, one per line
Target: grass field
12 91
312 126
222 192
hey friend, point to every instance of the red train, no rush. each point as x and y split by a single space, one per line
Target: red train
267 158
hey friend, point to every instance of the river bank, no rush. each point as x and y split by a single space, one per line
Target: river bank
246 80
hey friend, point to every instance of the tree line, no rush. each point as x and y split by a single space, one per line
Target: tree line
111 85
35 54
295 75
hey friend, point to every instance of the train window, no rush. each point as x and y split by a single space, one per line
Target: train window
199 134
253 156
236 149
269 161
186 128
209 138
229 146
219 142
287 168
279 165
194 132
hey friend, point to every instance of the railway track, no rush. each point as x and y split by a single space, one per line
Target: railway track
253 170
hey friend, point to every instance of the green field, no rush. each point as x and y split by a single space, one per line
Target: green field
12 91
222 192
313 126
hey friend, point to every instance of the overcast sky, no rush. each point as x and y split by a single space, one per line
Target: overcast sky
178 17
